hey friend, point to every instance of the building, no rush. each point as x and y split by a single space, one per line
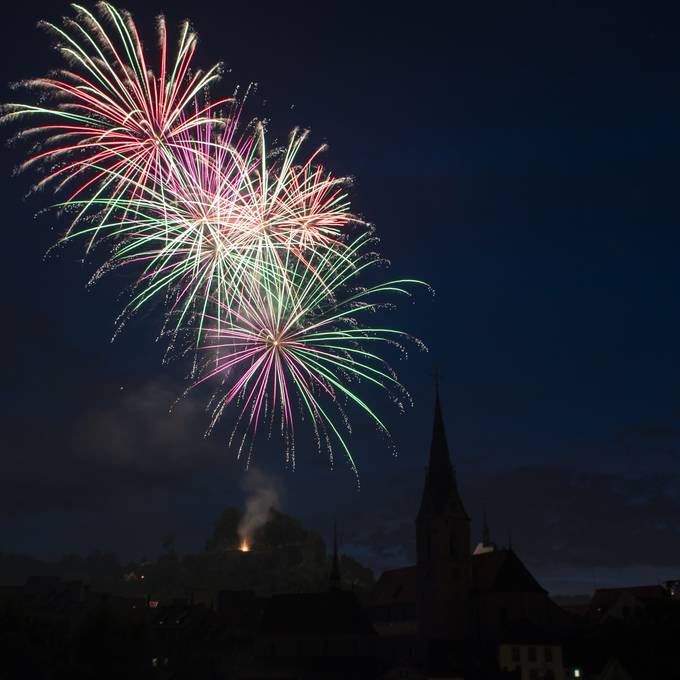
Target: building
532 655
453 596
314 635
627 603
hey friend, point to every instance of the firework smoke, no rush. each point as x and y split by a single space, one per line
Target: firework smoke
263 495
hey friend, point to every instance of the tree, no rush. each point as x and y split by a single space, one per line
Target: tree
225 533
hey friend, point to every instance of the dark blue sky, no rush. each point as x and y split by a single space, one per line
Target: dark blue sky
524 159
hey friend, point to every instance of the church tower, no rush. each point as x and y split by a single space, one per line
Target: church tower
442 544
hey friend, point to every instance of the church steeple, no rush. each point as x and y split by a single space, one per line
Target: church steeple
486 534
440 494
442 541
486 545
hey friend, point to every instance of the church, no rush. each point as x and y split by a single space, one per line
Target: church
453 594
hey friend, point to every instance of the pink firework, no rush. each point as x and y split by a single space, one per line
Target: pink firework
113 121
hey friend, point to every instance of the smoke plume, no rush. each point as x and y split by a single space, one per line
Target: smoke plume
263 495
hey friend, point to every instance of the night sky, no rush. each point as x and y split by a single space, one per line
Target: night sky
523 158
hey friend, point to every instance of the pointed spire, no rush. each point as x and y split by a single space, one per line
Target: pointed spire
485 546
335 568
486 534
439 449
440 489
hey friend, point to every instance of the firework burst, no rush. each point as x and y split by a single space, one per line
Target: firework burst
228 211
112 122
299 348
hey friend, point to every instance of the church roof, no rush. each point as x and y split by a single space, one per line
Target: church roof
498 571
440 494
502 571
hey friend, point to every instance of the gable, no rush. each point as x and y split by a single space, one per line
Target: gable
502 571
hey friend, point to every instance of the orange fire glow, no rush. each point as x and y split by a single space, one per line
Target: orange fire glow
244 547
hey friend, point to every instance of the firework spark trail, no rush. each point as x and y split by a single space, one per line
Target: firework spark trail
297 343
113 120
297 203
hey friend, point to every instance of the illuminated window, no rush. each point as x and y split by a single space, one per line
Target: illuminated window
577 673
154 662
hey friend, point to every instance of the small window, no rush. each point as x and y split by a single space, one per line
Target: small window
515 654
453 547
548 654
532 653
